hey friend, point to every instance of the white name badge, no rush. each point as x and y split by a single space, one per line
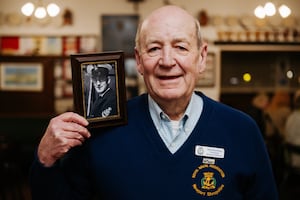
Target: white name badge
212 152
210 161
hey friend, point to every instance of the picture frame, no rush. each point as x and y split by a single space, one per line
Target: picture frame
21 76
208 78
31 94
118 32
99 90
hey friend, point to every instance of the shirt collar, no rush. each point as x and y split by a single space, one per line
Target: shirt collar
190 118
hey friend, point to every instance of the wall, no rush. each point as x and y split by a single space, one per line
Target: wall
87 16
87 13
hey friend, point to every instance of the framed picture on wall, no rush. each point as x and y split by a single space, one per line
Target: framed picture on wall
208 77
99 88
118 33
26 86
21 76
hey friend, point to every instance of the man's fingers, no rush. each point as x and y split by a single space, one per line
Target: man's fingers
74 117
69 135
76 128
70 122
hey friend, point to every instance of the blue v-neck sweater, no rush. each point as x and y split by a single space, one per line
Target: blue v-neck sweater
223 158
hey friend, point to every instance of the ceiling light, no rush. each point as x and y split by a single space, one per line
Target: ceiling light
39 10
27 9
269 10
284 11
259 12
53 9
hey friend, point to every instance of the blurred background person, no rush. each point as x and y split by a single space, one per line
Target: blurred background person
257 109
276 116
292 128
277 113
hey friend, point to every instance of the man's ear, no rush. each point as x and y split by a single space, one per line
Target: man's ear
202 59
138 61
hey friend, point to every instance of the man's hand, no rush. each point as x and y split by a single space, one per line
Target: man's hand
63 132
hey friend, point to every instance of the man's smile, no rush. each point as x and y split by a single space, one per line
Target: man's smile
169 77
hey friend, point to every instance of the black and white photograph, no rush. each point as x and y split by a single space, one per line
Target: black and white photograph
100 90
98 87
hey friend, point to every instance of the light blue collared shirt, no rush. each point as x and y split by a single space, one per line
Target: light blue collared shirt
174 134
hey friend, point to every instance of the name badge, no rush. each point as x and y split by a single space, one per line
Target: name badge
212 152
210 161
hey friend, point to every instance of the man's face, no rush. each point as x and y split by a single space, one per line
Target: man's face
100 84
169 57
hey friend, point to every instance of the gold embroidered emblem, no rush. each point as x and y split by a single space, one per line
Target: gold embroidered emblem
208 180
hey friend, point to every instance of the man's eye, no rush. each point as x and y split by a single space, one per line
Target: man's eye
153 49
181 48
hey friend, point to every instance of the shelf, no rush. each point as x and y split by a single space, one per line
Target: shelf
255 43
271 67
247 90
258 46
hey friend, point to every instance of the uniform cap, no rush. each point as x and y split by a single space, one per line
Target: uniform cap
101 70
106 66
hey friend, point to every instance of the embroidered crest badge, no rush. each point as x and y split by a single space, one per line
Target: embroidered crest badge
208 180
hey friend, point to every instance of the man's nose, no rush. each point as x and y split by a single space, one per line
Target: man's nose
98 82
167 58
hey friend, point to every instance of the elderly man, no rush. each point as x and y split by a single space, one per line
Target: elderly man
178 143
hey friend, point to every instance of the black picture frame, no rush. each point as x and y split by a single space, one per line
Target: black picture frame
100 108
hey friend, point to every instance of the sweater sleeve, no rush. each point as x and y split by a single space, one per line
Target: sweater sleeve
45 182
66 179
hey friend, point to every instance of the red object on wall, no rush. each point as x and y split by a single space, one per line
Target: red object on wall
9 44
70 45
